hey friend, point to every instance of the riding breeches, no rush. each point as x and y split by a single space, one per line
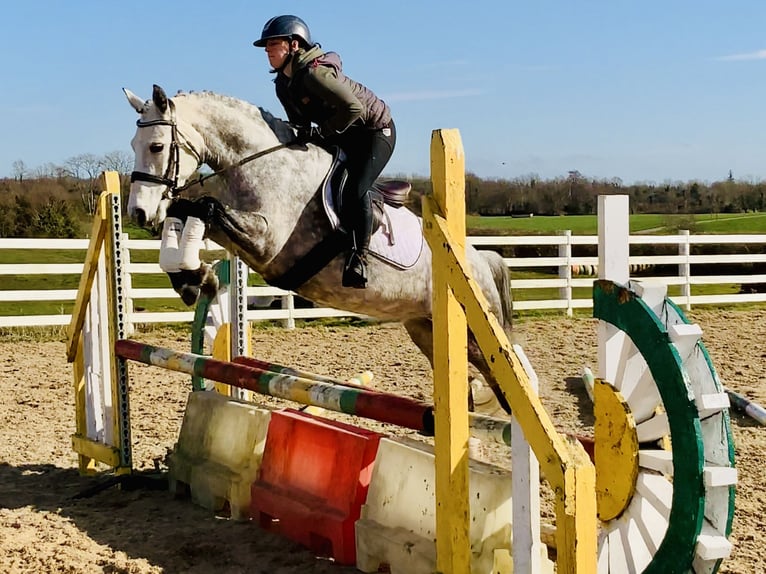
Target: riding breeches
367 153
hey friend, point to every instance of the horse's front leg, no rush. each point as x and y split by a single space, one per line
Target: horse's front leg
183 235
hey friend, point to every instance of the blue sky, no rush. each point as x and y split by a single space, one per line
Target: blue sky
644 91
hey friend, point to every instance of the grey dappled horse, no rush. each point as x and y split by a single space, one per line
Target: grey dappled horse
272 214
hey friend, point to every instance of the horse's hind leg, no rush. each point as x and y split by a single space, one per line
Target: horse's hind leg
421 332
476 358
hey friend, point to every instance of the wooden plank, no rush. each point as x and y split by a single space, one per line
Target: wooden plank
719 476
86 463
685 337
616 447
653 428
453 551
659 460
613 255
97 234
145 268
527 547
96 450
656 491
576 532
45 295
42 243
41 269
34 320
711 403
712 545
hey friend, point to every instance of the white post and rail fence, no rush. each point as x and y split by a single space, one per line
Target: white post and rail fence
559 285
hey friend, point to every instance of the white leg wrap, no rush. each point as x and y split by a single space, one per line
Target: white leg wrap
192 243
170 254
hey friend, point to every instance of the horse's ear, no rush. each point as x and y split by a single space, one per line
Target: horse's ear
138 104
159 98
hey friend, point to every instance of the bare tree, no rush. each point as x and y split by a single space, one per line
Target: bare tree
84 166
84 169
46 170
19 170
119 161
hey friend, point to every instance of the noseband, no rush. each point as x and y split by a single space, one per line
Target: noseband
170 178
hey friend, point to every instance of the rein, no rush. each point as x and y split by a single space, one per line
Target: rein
170 178
243 161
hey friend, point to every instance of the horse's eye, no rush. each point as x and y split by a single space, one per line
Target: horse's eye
156 147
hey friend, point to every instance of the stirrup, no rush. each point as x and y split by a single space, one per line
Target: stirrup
355 271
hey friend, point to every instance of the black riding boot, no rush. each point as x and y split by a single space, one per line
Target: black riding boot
355 270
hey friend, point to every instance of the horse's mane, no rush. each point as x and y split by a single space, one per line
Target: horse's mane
281 128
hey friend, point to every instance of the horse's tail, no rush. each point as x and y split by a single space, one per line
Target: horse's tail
502 277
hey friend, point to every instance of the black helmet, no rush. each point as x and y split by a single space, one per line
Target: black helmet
285 26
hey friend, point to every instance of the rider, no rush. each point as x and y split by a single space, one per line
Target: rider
312 88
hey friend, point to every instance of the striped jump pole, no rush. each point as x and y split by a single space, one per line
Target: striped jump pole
345 398
383 408
355 382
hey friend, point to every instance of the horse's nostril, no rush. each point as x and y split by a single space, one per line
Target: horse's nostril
140 216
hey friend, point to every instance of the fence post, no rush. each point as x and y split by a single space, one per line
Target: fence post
288 302
685 268
527 547
240 334
450 364
613 264
565 271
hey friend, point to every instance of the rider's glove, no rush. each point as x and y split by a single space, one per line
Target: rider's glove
308 134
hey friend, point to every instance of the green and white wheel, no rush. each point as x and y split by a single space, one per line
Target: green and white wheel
664 451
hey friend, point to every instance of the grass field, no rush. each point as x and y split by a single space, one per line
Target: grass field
579 225
724 223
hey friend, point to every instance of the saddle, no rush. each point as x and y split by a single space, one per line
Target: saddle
401 251
389 192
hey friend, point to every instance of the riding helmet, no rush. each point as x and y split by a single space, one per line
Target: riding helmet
285 26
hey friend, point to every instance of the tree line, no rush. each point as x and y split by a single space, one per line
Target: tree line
577 194
56 200
59 200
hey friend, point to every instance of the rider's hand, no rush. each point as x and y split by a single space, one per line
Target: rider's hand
308 134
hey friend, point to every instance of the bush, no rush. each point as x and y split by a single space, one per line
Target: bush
53 218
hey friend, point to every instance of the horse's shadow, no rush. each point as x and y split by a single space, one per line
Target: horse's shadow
151 524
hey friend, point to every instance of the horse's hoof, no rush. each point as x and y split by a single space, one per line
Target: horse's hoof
189 294
481 394
209 285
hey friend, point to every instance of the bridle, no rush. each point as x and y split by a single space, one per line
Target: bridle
178 140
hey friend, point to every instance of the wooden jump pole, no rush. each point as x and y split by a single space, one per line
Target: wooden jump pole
365 403
325 392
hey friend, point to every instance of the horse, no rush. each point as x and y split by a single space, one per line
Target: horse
272 212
